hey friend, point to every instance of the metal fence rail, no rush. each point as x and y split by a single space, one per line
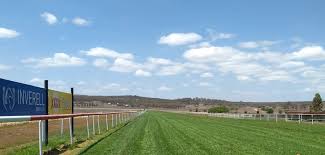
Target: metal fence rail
116 119
308 118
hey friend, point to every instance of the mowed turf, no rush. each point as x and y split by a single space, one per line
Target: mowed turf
171 133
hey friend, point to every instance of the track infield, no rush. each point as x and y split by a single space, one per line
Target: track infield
171 133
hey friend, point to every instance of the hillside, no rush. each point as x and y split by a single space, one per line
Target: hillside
147 102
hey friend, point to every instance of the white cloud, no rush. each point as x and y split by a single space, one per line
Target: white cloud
171 70
80 21
36 80
309 53
292 64
243 65
124 65
159 61
143 73
204 84
58 85
165 88
257 44
243 78
4 67
8 33
58 60
49 18
104 52
213 35
101 63
212 54
250 44
206 75
175 39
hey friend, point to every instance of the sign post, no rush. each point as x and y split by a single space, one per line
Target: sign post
46 125
72 111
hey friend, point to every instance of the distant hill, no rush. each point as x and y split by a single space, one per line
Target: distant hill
147 102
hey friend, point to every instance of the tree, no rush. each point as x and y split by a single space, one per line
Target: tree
317 104
269 111
221 109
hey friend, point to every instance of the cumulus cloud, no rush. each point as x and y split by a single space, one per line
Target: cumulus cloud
142 73
8 33
159 61
101 63
309 53
58 60
171 69
80 21
206 75
174 39
108 53
4 67
165 88
244 65
257 44
49 18
204 84
124 65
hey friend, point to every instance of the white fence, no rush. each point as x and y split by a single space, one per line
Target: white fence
308 118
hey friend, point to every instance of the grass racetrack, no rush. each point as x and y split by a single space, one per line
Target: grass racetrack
171 133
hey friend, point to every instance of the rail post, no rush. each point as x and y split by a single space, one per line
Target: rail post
106 123
312 119
299 118
112 120
117 120
62 123
94 132
276 117
71 134
40 137
98 124
88 127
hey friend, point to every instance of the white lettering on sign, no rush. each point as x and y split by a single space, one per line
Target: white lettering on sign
22 97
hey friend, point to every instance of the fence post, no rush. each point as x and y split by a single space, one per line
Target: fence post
286 117
112 120
106 123
312 119
98 124
299 119
276 117
71 134
119 118
122 120
40 136
62 123
88 126
260 117
94 132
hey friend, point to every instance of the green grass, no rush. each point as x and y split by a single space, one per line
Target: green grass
170 133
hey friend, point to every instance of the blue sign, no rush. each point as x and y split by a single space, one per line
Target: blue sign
17 99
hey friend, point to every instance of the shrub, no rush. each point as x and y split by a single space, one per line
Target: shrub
221 109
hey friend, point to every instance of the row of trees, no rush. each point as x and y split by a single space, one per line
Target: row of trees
315 106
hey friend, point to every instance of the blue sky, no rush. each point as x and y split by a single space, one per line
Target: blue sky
233 50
